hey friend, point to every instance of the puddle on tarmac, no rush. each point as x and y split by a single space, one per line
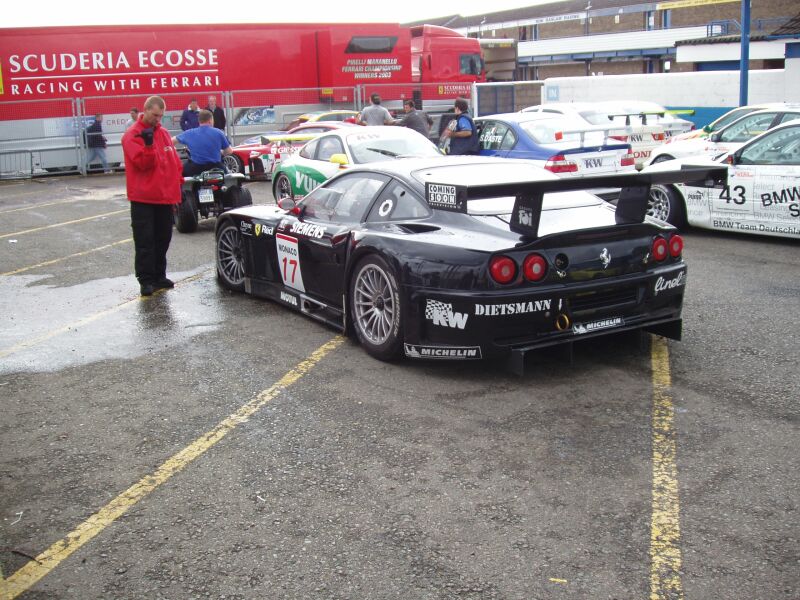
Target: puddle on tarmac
48 328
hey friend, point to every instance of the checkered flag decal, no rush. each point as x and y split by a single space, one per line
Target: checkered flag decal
435 306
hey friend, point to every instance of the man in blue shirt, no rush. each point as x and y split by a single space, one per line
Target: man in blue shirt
207 145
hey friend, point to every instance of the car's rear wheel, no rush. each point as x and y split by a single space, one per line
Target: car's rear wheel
230 257
662 158
376 309
283 188
233 163
186 215
665 204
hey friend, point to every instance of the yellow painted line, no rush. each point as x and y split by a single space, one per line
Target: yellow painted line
57 260
35 206
557 580
86 320
116 212
665 530
48 560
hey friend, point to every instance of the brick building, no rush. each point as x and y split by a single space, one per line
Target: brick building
617 37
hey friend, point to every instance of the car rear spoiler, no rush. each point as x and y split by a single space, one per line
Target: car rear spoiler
645 113
284 137
605 129
527 211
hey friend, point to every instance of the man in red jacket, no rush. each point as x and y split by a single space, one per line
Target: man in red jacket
153 177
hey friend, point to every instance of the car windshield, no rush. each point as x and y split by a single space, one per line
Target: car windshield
373 147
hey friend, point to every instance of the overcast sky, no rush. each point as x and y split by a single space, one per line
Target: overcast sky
120 12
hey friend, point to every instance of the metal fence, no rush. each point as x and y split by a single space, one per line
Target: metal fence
46 136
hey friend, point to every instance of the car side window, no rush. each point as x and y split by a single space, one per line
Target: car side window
398 203
782 147
309 149
747 127
789 116
509 140
345 199
328 146
492 135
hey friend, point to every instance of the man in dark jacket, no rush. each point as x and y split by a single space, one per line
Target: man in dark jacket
219 114
464 135
415 119
153 178
189 118
96 144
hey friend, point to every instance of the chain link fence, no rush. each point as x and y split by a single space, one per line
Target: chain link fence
47 136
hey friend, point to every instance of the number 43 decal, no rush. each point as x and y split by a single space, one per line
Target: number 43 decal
738 197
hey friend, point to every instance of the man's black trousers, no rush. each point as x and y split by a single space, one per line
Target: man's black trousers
152 233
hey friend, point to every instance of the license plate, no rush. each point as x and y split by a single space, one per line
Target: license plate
206 195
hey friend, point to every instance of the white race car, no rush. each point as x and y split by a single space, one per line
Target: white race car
727 139
761 195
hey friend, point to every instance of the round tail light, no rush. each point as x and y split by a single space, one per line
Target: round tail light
535 267
660 249
502 269
675 246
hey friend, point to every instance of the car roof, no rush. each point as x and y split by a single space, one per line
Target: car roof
522 117
466 170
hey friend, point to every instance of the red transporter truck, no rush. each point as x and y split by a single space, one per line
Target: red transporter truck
53 80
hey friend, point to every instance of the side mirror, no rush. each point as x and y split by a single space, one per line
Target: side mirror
339 159
732 159
708 129
287 204
715 137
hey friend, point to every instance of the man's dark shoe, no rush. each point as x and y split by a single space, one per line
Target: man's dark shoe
146 289
164 284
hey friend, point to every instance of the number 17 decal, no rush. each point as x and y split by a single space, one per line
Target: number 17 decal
289 261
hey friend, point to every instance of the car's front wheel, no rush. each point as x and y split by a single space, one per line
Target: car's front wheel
230 257
376 308
665 204
283 188
662 158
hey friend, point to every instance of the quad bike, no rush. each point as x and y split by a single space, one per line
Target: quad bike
209 195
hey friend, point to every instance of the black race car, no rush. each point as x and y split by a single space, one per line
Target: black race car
464 257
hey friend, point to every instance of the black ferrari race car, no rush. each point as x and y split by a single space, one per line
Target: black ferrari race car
464 257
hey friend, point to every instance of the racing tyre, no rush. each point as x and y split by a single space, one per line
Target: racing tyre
283 188
186 216
230 257
239 196
665 204
233 163
376 309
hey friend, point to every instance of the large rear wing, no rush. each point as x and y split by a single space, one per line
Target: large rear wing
529 195
644 114
604 129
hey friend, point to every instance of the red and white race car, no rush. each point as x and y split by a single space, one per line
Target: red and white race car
259 158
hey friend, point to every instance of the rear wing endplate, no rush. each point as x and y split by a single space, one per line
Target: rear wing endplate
631 206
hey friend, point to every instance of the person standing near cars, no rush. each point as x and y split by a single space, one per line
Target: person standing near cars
219 114
207 145
415 119
134 117
96 144
375 114
189 117
153 179
463 135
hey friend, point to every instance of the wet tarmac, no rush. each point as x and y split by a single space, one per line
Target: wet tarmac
250 452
